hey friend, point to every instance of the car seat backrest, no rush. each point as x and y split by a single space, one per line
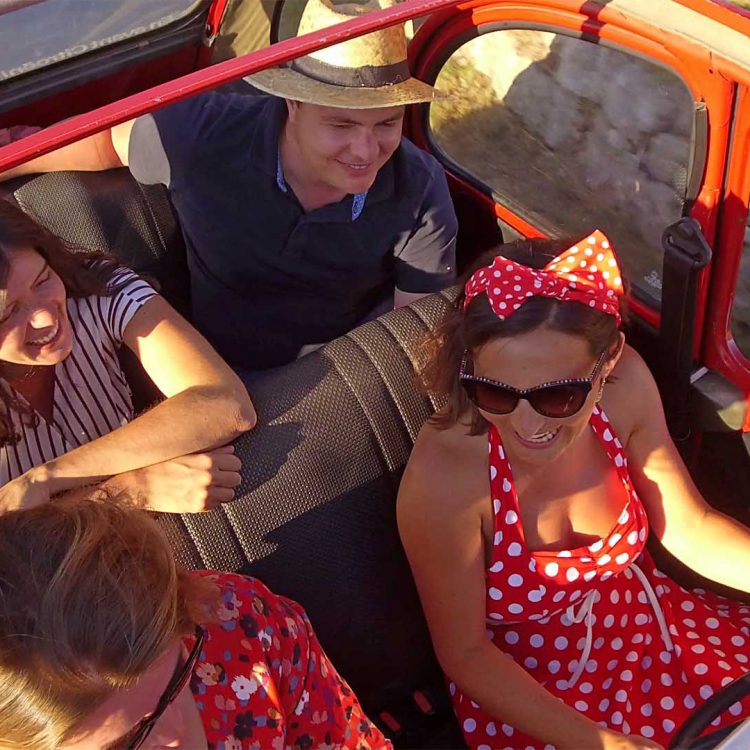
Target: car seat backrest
112 213
315 514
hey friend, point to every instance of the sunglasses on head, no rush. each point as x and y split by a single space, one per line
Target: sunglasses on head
557 399
135 738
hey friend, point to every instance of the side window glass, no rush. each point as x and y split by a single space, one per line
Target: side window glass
39 34
571 136
741 310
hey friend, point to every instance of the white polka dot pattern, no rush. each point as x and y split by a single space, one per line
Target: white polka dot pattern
573 276
537 613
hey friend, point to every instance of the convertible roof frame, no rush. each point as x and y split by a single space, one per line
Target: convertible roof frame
725 41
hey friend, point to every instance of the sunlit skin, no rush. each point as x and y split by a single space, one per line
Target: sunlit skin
34 326
178 727
569 494
529 360
329 152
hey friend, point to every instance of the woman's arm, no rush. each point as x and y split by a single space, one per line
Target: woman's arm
441 528
104 150
206 405
711 543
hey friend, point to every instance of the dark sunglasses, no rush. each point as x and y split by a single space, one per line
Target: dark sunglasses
557 399
138 734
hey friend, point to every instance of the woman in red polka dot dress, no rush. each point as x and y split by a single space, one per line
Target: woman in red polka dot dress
548 615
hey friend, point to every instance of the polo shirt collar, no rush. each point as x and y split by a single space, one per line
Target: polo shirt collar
358 200
265 146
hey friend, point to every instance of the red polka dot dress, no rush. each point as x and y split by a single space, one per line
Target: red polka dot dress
599 626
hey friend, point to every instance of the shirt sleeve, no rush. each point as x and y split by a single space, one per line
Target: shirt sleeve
315 704
147 159
314 690
263 679
165 143
427 262
117 310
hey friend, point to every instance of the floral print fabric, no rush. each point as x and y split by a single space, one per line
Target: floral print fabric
263 682
599 626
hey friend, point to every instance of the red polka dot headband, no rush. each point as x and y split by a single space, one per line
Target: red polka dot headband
587 273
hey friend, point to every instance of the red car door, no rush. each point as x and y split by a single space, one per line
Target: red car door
565 116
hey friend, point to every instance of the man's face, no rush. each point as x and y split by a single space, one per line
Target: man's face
345 148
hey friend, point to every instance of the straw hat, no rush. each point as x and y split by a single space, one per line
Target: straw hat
367 72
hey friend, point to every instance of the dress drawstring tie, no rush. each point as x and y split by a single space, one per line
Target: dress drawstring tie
658 611
585 613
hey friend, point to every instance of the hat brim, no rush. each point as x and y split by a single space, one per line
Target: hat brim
290 84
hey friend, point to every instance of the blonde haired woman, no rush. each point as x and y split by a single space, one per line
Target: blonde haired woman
106 643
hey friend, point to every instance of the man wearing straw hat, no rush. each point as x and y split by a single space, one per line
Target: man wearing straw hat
303 211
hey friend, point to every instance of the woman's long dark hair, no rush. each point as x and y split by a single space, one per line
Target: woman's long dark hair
83 273
467 331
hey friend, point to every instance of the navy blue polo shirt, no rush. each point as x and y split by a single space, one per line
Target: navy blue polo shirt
267 277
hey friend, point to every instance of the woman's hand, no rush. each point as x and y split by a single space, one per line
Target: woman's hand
189 484
616 741
26 491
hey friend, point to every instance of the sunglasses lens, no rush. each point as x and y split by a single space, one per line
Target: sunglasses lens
491 398
559 401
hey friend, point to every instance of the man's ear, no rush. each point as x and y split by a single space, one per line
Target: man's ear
292 107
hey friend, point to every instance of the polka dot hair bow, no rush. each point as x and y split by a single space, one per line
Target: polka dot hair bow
587 273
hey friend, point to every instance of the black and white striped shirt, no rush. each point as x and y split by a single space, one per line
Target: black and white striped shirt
91 397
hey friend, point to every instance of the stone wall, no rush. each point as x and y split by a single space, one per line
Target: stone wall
618 125
576 134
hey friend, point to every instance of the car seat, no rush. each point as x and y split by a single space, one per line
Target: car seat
315 514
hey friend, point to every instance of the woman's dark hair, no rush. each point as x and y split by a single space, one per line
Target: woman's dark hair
82 272
466 331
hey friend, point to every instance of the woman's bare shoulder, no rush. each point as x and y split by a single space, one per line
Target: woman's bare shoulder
631 396
446 466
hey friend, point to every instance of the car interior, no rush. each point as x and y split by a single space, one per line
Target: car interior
314 516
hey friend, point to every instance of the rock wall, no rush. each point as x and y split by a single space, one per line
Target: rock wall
622 125
577 134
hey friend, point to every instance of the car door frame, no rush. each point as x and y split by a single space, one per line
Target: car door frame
721 203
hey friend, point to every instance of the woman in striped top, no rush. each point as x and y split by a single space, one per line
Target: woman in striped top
66 412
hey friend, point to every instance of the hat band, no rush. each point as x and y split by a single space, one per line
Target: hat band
365 76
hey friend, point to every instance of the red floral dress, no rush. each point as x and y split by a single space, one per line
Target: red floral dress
599 626
263 682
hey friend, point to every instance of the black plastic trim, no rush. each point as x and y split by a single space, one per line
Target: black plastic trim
686 253
688 735
716 404
67 74
276 21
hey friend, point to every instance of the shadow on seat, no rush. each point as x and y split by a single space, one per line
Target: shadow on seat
315 517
